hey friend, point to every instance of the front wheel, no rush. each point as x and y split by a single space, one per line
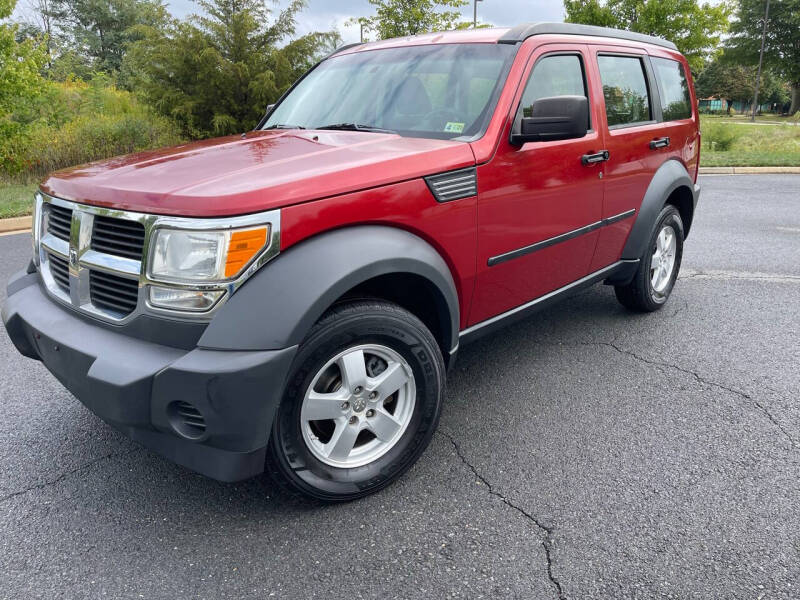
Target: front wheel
361 404
658 267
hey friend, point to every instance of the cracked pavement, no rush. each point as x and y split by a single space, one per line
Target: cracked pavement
584 453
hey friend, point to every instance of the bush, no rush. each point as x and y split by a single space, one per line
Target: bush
76 122
720 136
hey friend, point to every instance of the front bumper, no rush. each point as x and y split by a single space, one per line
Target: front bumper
135 385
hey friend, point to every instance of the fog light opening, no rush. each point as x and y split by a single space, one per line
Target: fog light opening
187 420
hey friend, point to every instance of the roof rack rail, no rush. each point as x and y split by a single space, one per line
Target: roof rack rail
520 33
342 48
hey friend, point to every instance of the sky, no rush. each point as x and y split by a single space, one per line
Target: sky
324 15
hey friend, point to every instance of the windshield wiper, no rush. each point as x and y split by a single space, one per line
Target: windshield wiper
356 127
284 126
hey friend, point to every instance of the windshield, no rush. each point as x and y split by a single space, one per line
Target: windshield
442 91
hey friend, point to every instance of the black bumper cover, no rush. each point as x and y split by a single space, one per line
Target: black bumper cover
131 383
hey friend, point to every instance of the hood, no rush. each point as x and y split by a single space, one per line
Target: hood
254 172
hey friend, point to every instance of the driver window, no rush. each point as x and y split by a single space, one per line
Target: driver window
556 75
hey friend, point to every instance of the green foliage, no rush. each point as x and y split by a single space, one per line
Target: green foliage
736 83
75 122
6 8
20 63
782 45
720 136
398 18
215 74
694 27
101 29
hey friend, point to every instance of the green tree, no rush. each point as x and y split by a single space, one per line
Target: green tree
782 45
98 31
694 27
398 18
216 74
736 83
20 62
20 81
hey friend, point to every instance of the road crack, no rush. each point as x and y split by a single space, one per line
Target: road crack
64 475
547 542
702 380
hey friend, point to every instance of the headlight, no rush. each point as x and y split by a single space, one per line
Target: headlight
194 261
186 256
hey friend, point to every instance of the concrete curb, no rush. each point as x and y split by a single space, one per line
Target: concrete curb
15 224
748 170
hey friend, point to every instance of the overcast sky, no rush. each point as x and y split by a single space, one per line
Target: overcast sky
323 15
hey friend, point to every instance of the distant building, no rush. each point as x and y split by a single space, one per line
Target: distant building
713 104
716 104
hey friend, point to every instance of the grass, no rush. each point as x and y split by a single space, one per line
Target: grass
727 144
16 199
745 118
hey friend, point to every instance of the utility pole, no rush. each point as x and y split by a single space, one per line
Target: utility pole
475 13
760 62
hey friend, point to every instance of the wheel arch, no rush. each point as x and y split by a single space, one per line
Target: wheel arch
289 294
682 198
671 184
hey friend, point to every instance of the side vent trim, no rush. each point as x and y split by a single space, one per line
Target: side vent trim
454 185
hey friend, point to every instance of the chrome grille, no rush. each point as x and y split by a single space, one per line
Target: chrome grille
59 269
116 294
92 258
119 237
454 185
59 220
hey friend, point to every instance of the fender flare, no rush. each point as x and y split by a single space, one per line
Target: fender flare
669 177
277 307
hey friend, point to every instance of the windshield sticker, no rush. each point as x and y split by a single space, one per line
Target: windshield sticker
454 127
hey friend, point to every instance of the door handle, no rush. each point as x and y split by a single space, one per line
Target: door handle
659 143
597 157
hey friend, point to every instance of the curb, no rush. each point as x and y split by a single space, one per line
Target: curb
16 224
747 170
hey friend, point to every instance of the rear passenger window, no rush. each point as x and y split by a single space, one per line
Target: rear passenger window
557 75
676 102
625 90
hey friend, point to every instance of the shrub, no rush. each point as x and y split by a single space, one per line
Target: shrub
75 122
720 136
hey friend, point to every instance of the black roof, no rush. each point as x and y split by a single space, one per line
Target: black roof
520 33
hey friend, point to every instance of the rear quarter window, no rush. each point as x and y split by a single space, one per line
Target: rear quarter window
673 87
625 90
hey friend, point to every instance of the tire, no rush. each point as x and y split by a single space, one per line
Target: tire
314 456
648 292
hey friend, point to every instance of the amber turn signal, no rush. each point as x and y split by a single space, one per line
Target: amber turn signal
243 246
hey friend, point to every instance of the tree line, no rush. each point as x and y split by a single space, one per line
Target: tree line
214 72
722 41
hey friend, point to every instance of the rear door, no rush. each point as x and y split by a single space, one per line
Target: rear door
536 201
629 123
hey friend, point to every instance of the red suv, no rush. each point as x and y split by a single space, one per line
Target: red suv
291 298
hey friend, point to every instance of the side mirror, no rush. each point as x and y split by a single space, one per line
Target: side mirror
555 118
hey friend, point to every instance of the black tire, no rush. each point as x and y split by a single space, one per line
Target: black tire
639 295
289 459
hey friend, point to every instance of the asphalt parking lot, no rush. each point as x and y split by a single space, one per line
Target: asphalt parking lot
586 453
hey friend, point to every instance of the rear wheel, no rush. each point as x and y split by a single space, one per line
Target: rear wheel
658 267
361 405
